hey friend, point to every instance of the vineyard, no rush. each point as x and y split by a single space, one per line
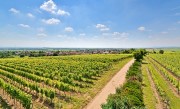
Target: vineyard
151 83
55 82
161 79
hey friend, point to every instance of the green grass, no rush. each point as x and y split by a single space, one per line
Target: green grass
174 100
148 95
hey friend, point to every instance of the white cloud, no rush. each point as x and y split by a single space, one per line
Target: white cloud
100 26
82 34
68 29
13 10
62 13
116 33
120 35
51 21
49 6
24 26
141 28
41 34
30 15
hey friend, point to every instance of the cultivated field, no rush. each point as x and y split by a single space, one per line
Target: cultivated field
85 81
161 79
151 83
56 82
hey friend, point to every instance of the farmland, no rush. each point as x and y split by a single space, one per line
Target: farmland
73 81
151 83
56 82
163 73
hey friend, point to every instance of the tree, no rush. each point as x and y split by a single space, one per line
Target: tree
128 51
138 56
154 51
22 55
143 52
161 51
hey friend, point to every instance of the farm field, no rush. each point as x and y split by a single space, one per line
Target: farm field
152 83
74 81
163 73
56 82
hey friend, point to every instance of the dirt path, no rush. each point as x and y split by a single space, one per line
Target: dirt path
159 104
110 88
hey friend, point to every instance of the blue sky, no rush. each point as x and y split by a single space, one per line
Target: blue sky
90 23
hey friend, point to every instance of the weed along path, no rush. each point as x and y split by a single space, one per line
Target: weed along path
110 88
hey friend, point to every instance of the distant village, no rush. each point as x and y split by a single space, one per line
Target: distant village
56 52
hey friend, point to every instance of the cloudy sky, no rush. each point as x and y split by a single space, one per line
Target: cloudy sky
89 23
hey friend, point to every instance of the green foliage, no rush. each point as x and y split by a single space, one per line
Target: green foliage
161 51
119 102
130 51
67 74
170 61
21 56
164 89
24 98
148 98
138 54
6 54
32 86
